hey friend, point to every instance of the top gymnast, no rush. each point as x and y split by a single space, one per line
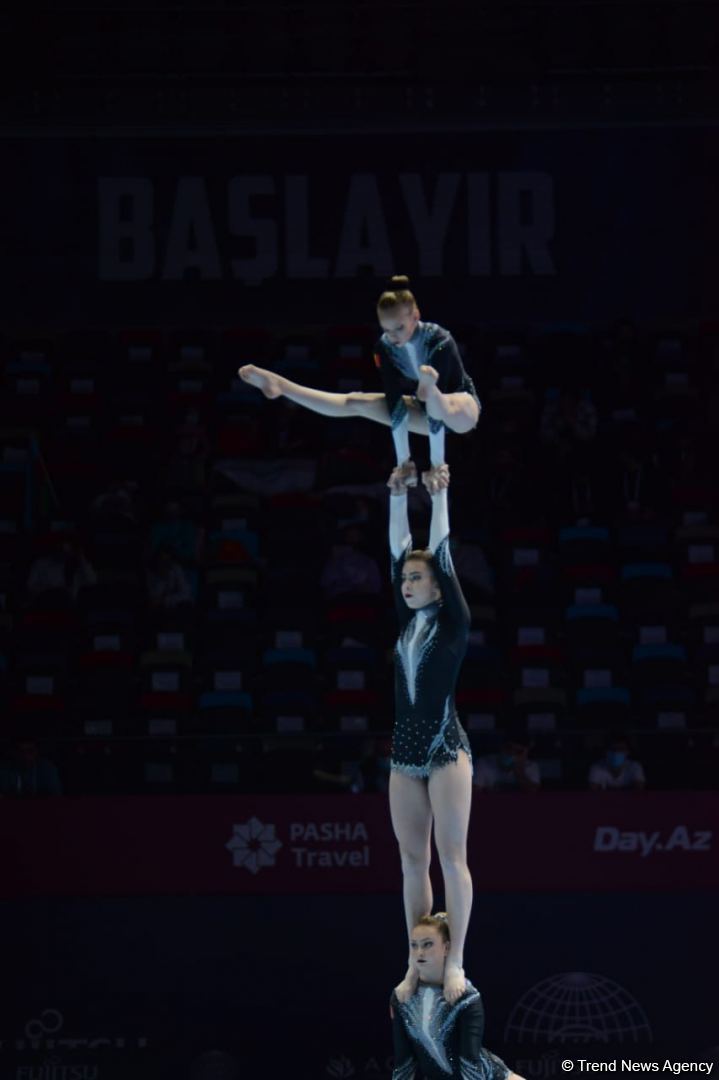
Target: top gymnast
426 386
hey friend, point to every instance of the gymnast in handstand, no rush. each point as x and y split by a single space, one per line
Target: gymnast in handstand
426 388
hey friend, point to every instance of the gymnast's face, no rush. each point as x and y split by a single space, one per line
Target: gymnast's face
419 586
428 952
399 323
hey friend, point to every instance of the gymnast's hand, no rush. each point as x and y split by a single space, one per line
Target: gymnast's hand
436 479
407 987
402 477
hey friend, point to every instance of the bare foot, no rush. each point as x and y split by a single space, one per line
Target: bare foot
408 986
454 983
427 381
436 478
266 381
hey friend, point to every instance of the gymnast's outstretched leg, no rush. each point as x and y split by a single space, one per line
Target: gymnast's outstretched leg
326 403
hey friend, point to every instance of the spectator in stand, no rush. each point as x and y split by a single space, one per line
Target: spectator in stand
56 577
568 420
363 514
189 450
617 770
639 490
568 428
120 500
505 492
350 569
330 773
25 774
508 770
192 442
692 477
167 583
625 372
179 534
472 567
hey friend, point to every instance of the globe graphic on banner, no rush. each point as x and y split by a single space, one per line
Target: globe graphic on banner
577 1007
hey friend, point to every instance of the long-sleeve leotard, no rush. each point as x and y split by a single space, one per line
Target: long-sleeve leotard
438 1041
399 367
429 651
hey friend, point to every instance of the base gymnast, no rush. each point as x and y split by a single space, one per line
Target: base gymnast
431 771
431 1038
426 386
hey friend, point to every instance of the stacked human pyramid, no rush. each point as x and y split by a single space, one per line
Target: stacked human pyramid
437 1014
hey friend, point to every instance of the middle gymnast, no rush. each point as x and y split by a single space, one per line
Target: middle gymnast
431 769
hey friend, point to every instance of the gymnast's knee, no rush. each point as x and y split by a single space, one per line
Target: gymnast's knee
463 424
414 860
467 416
453 860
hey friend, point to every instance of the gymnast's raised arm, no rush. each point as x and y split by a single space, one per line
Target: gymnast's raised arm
437 482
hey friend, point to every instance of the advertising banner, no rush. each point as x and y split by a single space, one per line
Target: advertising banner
327 844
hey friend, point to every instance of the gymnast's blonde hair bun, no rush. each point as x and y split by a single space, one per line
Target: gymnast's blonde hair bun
396 294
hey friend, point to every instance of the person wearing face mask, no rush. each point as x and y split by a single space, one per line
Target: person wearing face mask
616 770
432 1038
426 387
27 773
430 780
508 770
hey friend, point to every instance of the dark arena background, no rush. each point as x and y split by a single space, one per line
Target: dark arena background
199 878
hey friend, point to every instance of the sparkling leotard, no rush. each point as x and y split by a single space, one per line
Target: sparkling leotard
399 367
437 1041
428 655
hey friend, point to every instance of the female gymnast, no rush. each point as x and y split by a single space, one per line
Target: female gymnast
426 386
430 1036
431 770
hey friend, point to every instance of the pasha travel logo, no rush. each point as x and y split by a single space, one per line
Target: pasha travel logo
311 845
253 845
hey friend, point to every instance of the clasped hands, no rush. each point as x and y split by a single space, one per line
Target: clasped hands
404 476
